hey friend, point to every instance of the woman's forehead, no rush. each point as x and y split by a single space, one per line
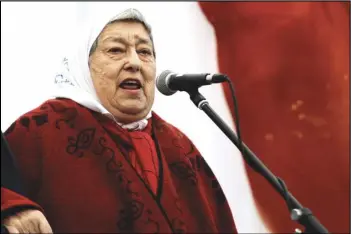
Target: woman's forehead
126 33
118 38
123 29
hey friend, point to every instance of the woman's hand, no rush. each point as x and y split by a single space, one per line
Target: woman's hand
28 221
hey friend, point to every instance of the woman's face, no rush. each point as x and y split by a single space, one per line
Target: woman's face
123 70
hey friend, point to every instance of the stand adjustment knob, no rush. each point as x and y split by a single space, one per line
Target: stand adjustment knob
295 214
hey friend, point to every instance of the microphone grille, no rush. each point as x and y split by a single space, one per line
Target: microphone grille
161 83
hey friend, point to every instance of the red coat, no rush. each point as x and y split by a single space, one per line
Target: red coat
90 175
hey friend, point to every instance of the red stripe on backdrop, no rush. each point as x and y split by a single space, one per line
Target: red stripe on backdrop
289 62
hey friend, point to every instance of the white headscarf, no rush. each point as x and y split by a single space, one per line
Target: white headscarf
74 80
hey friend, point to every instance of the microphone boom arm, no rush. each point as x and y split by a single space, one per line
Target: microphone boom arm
299 214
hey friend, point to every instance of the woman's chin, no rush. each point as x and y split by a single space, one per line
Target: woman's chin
130 114
133 110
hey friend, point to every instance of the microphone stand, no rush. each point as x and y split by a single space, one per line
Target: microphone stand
298 213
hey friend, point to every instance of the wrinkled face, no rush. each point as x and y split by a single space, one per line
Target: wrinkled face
123 71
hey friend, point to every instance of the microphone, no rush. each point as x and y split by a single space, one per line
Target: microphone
169 82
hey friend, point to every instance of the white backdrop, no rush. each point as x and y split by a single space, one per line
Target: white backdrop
34 36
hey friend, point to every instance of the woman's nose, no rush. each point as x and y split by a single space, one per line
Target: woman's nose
133 61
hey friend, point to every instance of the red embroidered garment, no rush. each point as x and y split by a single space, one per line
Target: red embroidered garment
90 175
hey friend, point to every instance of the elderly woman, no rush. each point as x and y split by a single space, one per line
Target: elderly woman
97 159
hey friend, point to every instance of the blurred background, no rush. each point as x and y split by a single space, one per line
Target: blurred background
289 62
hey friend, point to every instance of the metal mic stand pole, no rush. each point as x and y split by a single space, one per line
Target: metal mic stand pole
299 214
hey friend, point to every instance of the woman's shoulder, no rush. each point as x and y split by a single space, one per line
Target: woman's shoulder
51 111
53 107
165 127
161 124
59 105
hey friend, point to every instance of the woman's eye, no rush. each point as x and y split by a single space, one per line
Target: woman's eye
115 50
144 52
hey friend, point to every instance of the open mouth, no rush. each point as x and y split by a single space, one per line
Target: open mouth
131 84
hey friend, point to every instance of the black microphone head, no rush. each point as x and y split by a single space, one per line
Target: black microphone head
161 83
